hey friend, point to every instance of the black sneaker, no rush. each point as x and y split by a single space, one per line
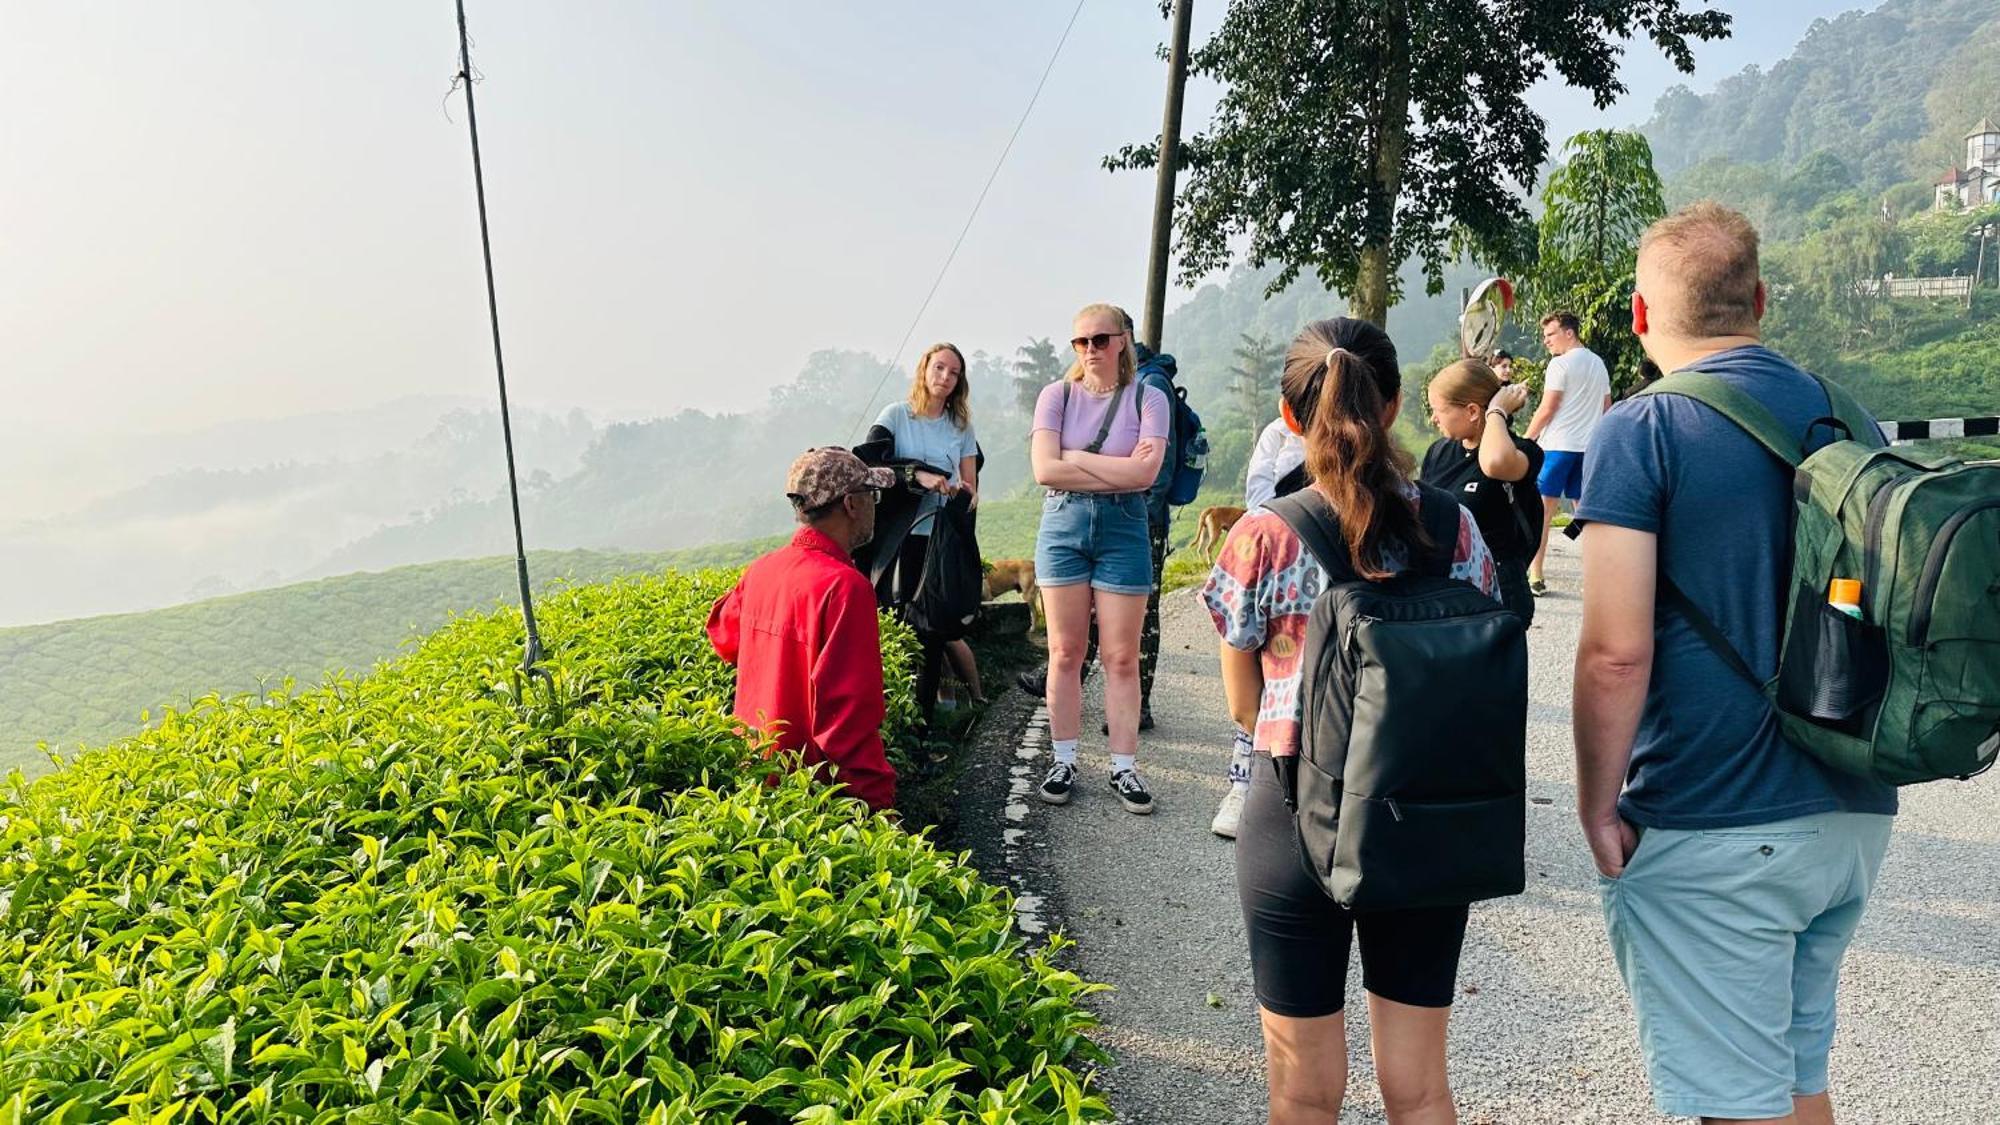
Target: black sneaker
1036 681
1132 792
1057 785
1145 721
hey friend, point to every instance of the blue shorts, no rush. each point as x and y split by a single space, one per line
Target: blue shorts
1730 942
1562 475
1095 537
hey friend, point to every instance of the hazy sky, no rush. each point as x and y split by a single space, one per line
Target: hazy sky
243 209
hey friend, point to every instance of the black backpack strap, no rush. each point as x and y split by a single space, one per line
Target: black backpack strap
1438 511
1110 414
1707 630
1754 419
1293 481
1308 514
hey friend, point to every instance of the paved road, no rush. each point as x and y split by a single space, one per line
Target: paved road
1542 1031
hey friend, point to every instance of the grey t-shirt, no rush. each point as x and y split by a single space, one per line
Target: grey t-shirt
934 441
1708 752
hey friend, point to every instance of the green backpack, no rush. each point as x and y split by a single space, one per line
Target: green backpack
1910 692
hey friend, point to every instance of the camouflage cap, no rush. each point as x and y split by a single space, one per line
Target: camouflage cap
821 476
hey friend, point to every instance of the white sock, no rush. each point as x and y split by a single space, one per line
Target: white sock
1065 750
1122 762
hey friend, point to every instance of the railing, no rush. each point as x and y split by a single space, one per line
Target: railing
1932 429
1941 287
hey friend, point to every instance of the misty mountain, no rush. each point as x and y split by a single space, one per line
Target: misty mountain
197 532
694 478
52 470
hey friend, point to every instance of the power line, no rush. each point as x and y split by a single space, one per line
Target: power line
967 228
532 649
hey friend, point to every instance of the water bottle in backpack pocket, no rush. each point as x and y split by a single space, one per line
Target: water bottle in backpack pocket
1411 784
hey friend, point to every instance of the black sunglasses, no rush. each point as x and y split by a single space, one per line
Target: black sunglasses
1098 342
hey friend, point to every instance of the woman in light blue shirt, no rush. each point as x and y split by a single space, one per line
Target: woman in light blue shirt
934 426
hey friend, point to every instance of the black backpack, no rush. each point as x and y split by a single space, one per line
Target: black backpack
1410 788
952 583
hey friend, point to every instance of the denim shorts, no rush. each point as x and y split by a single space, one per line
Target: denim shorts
1095 537
1730 943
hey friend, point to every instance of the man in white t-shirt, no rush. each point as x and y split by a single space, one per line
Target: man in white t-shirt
1576 391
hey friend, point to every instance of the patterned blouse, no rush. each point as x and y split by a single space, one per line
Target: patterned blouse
1261 594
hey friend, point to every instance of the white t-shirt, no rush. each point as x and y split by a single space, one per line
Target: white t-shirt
1584 383
934 441
1278 451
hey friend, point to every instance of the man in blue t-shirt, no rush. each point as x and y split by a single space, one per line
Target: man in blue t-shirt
1734 867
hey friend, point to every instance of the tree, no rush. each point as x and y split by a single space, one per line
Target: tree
1254 378
1037 367
1945 243
1344 142
1594 208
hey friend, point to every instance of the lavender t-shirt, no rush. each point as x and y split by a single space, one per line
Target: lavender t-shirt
1078 425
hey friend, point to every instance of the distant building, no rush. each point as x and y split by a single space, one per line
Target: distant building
1979 181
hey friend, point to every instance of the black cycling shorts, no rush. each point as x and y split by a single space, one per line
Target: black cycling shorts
1300 938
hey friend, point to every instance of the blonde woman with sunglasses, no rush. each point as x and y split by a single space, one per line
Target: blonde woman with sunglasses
1099 437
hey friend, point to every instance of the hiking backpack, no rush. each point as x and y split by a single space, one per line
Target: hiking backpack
1187 451
1909 692
1411 778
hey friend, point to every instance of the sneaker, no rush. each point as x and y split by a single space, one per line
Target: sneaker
1035 681
1229 815
1537 587
1057 785
1145 721
1132 793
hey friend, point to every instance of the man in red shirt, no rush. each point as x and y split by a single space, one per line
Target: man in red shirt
800 627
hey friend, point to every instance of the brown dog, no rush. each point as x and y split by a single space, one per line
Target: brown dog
1215 525
1017 575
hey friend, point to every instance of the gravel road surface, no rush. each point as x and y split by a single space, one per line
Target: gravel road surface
1542 1031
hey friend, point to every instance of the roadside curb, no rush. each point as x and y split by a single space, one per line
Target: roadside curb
996 791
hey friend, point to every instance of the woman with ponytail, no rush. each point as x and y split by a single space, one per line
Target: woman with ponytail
1341 390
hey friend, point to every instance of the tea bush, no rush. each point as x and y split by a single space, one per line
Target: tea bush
439 894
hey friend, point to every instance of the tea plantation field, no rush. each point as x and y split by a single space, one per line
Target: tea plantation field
436 893
85 682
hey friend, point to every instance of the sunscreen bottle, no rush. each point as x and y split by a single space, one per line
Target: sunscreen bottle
1845 595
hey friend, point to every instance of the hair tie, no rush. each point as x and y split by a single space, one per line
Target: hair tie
1334 351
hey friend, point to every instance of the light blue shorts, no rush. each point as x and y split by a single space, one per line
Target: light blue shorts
1730 942
1095 537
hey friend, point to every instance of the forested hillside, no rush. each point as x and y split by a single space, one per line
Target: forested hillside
1888 91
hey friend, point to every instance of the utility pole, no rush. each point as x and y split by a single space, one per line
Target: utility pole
1986 233
1163 192
531 649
